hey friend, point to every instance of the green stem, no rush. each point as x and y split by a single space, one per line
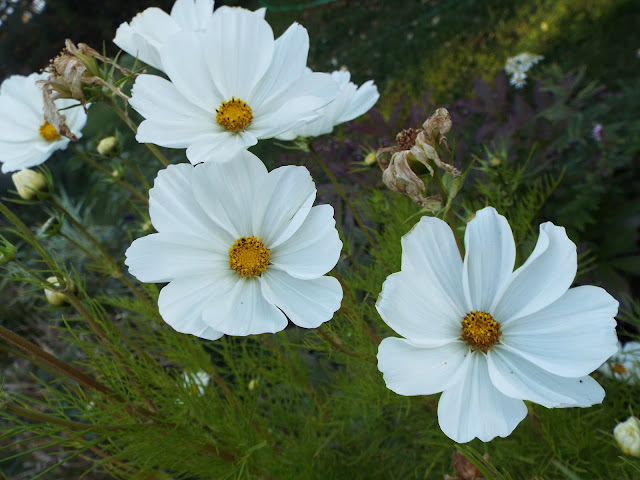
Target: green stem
130 188
44 418
444 199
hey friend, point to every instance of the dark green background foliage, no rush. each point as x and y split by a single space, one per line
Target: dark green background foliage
316 411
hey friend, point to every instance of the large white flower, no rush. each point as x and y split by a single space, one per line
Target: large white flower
150 29
351 102
489 337
230 86
240 247
26 138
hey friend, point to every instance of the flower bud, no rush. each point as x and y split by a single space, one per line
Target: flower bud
7 251
54 297
108 145
370 159
28 183
627 434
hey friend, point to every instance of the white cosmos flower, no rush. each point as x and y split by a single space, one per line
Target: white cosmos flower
489 337
150 29
240 247
26 138
351 102
625 364
230 86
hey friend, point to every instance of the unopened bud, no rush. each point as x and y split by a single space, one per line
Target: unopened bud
494 161
370 159
54 297
28 183
108 145
7 251
253 383
627 434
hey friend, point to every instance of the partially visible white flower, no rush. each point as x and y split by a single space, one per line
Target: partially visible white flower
596 132
489 337
26 138
519 65
518 79
351 102
627 434
230 86
625 364
197 381
150 29
242 248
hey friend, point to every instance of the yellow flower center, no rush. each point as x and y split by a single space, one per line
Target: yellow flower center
234 115
480 331
248 256
619 368
49 132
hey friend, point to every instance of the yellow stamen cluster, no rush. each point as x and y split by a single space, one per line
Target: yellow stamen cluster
248 256
49 132
234 115
619 368
480 331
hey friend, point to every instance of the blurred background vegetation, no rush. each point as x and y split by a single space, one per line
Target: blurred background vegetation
534 154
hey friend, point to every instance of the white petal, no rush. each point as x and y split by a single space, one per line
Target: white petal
226 190
490 256
287 65
313 249
411 370
184 61
244 311
414 310
219 147
146 33
282 202
307 303
430 247
239 50
473 407
174 208
518 378
171 121
192 14
544 277
571 337
182 302
362 101
161 257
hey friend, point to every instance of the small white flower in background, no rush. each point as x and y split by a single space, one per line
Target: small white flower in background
150 29
240 247
230 86
624 365
596 132
28 183
489 337
519 65
351 102
26 138
197 381
627 434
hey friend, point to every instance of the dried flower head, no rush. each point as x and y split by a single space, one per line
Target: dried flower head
465 470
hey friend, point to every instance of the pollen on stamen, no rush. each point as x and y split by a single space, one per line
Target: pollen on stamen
49 132
480 331
248 256
234 115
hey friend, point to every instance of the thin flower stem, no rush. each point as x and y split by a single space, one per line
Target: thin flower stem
339 347
444 199
43 417
152 148
345 197
55 363
130 188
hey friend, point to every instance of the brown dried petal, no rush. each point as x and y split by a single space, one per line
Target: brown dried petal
400 178
53 116
465 469
437 125
423 152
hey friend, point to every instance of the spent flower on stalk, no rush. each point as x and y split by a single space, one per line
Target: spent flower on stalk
489 337
229 86
27 136
241 248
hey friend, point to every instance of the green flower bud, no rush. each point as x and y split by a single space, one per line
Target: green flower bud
7 251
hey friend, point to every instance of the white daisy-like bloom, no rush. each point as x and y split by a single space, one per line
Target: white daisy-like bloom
351 102
241 248
197 381
150 29
489 337
26 138
230 86
518 79
625 364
